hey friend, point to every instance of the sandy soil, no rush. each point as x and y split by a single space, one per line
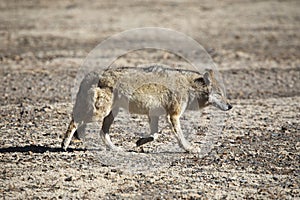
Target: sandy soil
256 45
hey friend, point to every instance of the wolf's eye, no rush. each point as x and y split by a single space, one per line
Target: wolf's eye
217 93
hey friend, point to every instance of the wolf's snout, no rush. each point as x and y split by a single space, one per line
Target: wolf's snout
229 106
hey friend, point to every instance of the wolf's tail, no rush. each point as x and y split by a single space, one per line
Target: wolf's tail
83 108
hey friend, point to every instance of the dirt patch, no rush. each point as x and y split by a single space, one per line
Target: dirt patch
256 46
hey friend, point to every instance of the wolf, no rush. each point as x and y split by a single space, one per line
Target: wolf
151 90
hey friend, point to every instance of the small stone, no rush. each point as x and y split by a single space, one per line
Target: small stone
68 178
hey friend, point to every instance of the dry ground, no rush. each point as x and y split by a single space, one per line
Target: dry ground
256 46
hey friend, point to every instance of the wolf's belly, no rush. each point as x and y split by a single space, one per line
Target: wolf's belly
145 104
152 106
148 99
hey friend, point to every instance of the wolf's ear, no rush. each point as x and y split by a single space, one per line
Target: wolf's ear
200 81
207 76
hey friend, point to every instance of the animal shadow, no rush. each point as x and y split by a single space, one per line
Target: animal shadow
37 149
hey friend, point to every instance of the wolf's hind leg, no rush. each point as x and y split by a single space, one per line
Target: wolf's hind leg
79 133
153 121
68 135
104 133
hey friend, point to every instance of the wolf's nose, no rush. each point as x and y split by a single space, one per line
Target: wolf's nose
229 106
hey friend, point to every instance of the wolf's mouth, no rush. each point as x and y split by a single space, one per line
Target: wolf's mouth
225 107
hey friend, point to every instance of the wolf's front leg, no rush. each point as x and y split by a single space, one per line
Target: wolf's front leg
68 135
183 143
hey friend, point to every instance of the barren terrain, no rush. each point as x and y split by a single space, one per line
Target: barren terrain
256 46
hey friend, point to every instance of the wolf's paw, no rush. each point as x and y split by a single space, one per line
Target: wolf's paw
192 149
145 140
63 145
196 150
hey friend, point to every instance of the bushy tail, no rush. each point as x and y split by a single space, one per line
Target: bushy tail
92 104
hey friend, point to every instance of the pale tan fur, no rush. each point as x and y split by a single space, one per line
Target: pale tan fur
151 90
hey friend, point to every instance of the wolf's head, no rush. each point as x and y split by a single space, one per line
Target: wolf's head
216 95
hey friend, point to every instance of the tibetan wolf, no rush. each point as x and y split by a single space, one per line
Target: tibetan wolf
151 90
